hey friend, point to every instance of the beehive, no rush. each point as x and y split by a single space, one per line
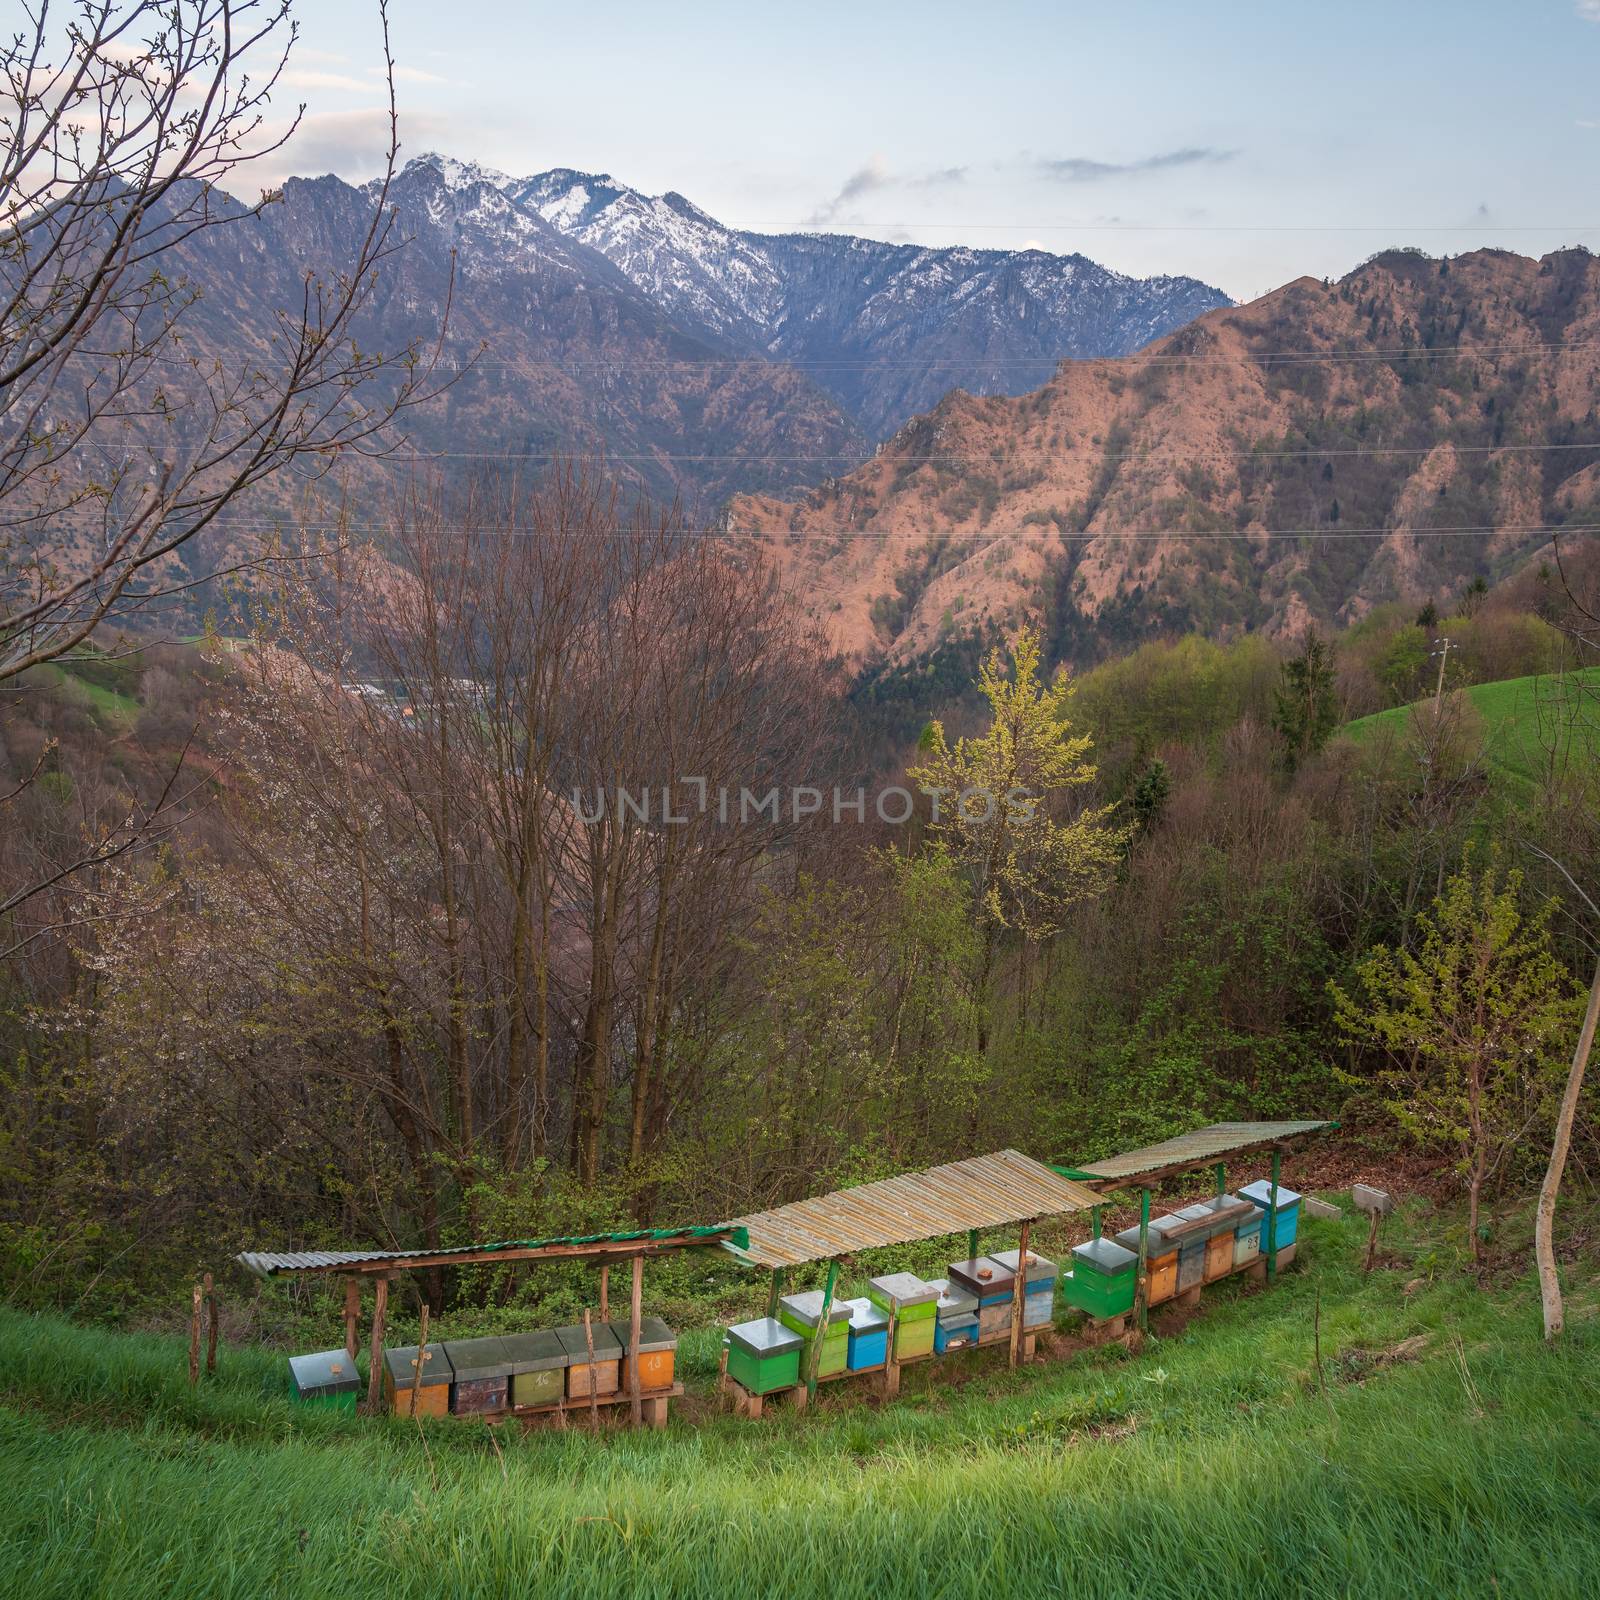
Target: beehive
481 1376
956 1325
869 1334
1259 1194
658 1351
984 1277
537 1363
1161 1260
1102 1279
1194 1237
801 1313
764 1355
1247 1239
603 1372
327 1380
433 1388
1039 1292
915 1306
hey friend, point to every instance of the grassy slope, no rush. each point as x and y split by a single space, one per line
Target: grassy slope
1210 1465
1523 719
112 711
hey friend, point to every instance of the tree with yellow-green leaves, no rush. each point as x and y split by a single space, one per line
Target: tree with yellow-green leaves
1472 1024
1002 807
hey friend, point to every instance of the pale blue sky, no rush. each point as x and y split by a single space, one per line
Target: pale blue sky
1243 142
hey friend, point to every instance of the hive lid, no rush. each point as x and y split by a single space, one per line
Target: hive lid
806 1307
903 1289
654 1335
538 1351
401 1362
766 1336
866 1317
983 1276
324 1372
1104 1255
607 1347
472 1359
1260 1193
954 1301
1157 1246
1038 1267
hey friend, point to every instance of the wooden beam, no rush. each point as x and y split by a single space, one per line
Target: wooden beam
211 1324
1144 1261
635 1317
1272 1218
375 1359
605 1292
194 1338
563 1252
418 1360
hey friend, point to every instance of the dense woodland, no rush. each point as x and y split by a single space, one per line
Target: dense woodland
380 970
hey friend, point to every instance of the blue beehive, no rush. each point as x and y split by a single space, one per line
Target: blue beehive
1288 1221
869 1334
1039 1290
957 1326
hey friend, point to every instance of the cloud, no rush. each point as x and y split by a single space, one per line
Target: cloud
293 78
409 75
1586 122
1589 10
1079 169
350 143
875 176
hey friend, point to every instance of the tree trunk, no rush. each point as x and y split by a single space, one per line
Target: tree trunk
1544 1246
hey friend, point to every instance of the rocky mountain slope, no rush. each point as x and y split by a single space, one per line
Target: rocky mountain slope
1313 453
886 329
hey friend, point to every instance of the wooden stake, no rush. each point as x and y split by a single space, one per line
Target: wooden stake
1019 1291
1372 1240
418 1359
1144 1256
194 1338
594 1399
815 1352
352 1316
375 1369
1272 1218
211 1324
605 1291
635 1316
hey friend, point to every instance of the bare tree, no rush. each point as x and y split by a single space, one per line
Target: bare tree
120 442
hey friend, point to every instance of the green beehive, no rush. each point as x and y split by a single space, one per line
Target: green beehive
764 1355
328 1380
801 1313
914 1305
1103 1278
538 1365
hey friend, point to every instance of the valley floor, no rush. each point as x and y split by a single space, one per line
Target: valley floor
1444 1451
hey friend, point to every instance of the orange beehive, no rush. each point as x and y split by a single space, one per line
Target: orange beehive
1219 1255
432 1386
658 1348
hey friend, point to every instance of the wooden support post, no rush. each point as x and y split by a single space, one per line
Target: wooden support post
352 1316
194 1338
1222 1178
419 1359
891 1367
605 1291
1272 1218
822 1331
635 1316
777 1291
1094 1222
972 1244
1143 1282
211 1324
1019 1293
375 1368
1372 1241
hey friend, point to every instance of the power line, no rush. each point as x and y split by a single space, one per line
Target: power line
859 459
1024 535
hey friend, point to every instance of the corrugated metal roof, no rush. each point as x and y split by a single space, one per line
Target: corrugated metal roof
1204 1144
269 1264
983 1192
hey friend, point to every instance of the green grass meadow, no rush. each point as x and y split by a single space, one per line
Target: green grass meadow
1444 1451
1528 723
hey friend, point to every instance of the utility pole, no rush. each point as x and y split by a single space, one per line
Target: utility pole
1442 650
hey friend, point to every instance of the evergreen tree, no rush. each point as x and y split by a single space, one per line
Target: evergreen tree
1150 793
1306 708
